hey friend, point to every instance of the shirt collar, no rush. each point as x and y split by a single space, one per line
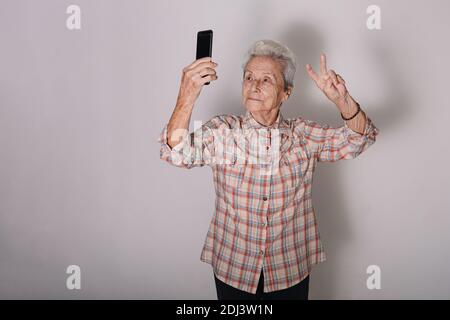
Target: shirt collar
280 123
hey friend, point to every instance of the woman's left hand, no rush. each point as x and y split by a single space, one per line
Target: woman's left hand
331 84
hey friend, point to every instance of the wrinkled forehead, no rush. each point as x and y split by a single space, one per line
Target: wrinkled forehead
264 66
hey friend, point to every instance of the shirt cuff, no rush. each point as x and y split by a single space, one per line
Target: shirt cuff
163 139
370 131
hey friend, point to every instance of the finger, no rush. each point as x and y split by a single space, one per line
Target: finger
323 63
340 79
329 84
198 62
199 76
208 78
312 73
203 65
341 89
333 76
206 71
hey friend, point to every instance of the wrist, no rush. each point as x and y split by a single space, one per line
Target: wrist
347 106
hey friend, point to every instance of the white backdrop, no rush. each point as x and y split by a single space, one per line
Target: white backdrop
81 110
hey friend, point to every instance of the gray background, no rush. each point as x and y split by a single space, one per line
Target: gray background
81 178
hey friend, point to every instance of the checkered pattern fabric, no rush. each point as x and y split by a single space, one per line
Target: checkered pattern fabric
264 217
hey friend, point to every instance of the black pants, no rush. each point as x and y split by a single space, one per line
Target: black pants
296 292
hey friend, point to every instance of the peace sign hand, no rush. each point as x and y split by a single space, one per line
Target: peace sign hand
331 84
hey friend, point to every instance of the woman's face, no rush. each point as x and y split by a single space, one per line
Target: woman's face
263 85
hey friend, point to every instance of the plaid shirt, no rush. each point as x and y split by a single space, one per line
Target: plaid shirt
264 217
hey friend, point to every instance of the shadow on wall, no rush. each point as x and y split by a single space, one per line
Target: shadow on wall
330 200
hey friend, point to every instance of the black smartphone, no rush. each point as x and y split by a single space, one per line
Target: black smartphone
204 44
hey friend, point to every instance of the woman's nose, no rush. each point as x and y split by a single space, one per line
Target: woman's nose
256 84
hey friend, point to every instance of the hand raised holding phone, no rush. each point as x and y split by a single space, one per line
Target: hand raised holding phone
201 71
193 78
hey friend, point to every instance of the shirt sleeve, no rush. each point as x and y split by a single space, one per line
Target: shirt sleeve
196 149
331 144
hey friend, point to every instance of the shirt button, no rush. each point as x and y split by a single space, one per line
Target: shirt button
263 224
267 147
264 198
261 252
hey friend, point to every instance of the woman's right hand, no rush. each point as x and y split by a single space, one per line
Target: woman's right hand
192 79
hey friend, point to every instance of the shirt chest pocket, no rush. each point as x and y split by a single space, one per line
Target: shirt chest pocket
234 175
295 167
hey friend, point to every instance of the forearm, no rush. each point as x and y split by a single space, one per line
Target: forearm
179 122
348 109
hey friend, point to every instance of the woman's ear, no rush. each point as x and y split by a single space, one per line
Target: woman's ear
288 92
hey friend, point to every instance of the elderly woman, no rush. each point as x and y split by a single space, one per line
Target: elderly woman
263 238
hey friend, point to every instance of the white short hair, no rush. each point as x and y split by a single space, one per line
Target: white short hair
278 52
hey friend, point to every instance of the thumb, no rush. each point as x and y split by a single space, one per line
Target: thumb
340 79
